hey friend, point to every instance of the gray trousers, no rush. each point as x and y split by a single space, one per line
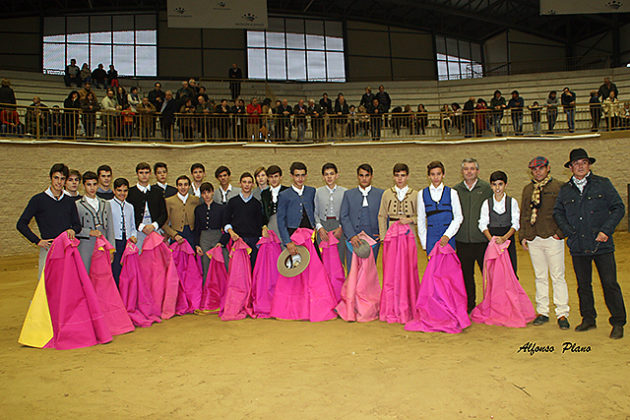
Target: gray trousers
208 239
42 260
86 248
331 224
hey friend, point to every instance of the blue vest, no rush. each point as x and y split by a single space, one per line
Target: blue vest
439 217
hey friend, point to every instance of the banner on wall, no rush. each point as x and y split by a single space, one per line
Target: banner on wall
226 14
577 7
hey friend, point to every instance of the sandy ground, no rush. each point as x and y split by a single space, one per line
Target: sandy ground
201 367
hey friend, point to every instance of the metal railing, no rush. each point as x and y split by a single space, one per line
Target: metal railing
131 125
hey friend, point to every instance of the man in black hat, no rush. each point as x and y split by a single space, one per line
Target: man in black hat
587 211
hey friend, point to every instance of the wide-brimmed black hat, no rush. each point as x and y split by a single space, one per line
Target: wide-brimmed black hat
577 154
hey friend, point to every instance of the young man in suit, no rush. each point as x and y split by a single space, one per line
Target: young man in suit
225 192
208 226
148 204
180 209
72 184
269 197
296 206
104 191
359 210
198 174
123 221
161 173
328 201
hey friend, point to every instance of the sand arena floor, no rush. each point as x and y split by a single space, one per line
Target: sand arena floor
201 367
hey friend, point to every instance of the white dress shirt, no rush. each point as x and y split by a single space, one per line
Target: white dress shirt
274 193
401 192
183 198
147 214
93 202
195 191
473 185
365 193
49 193
224 194
499 207
436 195
118 211
299 191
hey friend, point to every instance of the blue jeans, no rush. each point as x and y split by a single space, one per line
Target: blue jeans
517 122
552 116
570 118
496 121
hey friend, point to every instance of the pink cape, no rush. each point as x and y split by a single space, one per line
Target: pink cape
361 291
332 264
238 293
400 274
309 295
71 306
102 278
216 281
442 299
504 300
134 291
190 278
265 274
158 268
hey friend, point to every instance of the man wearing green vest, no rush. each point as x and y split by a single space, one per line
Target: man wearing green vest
470 242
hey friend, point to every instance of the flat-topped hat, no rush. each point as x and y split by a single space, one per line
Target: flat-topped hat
293 265
577 154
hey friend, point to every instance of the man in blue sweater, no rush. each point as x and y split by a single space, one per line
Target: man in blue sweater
54 212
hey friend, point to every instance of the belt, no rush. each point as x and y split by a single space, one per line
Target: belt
331 218
394 219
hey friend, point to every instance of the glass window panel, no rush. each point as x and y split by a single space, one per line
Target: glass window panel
146 61
477 70
334 29
54 56
296 65
256 63
316 62
315 27
453 70
101 23
83 38
255 39
440 56
123 37
442 70
276 65
336 67
100 54
124 60
275 39
80 52
101 37
145 22
314 42
334 43
55 38
123 23
146 37
54 26
295 26
451 47
295 40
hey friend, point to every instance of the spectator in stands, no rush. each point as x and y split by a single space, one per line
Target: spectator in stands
7 96
612 111
111 110
133 98
56 124
626 115
366 99
87 88
568 104
112 76
167 119
376 112
223 110
253 120
71 110
185 92
534 110
192 85
202 92
317 121
37 118
422 119
89 107
10 120
266 127
99 76
606 88
456 114
127 120
552 110
595 107
469 115
341 116
364 121
445 119
284 112
187 120
121 97
156 96
408 119
326 104
203 110
497 104
235 75
86 73
384 101
516 105
240 112
353 121
72 74
299 120
146 112
481 116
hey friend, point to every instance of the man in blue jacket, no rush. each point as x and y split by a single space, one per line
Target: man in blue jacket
587 210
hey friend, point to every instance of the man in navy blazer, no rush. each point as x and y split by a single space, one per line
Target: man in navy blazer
296 207
359 209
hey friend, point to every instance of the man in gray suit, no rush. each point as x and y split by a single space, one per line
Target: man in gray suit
225 192
359 210
328 201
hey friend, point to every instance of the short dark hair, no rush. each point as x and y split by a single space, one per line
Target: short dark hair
159 165
329 165
143 165
246 175
399 167
89 175
206 186
366 167
274 169
498 176
197 166
119 182
435 164
102 168
222 169
74 172
182 177
297 166
515 91
59 167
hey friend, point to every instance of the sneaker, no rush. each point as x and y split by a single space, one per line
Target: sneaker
540 319
617 332
585 326
563 323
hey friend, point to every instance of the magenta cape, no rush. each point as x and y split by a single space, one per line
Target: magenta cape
504 300
265 274
400 274
134 291
332 264
309 295
216 281
361 291
102 278
64 312
442 299
158 268
190 278
238 294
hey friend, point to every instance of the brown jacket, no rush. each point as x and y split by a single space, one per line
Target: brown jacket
393 208
545 225
179 214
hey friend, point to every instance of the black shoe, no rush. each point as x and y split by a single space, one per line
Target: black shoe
563 323
540 319
585 326
617 332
